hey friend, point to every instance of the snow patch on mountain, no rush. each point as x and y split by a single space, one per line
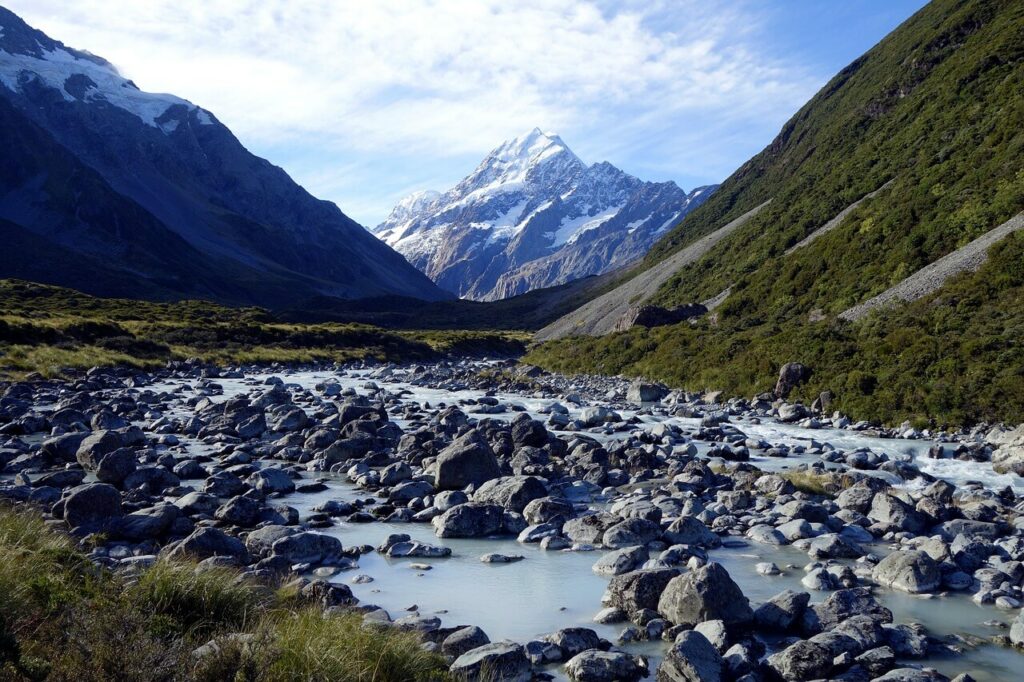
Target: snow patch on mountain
57 68
532 200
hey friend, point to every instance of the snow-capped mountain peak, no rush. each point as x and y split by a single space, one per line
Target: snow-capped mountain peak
28 55
531 214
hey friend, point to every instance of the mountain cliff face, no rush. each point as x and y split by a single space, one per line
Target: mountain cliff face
533 215
116 191
875 240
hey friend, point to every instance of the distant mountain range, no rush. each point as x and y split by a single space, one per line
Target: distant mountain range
533 215
119 192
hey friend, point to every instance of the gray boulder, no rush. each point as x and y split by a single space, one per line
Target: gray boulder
595 665
92 507
804 660
909 571
621 561
207 542
689 530
469 460
707 593
511 492
463 640
497 662
470 520
638 590
691 659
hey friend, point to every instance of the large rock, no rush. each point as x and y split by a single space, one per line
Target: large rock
645 392
96 446
470 520
271 480
656 316
841 605
621 561
1008 457
783 612
307 547
791 375
891 511
707 593
595 665
208 542
638 590
689 530
92 507
804 660
469 460
463 640
909 571
116 466
572 641
691 659
511 492
497 662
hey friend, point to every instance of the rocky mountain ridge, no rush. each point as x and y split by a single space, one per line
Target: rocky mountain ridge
115 191
533 215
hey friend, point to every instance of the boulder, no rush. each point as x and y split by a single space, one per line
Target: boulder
463 640
657 316
595 665
689 530
840 605
92 507
116 466
783 612
638 590
707 593
691 659
791 375
621 561
909 571
470 520
468 460
500 661
803 660
207 542
572 641
271 480
645 392
511 492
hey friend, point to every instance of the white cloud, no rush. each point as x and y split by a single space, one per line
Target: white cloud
334 85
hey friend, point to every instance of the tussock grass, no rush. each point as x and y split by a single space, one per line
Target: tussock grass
62 618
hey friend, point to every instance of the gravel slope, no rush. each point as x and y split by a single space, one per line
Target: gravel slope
598 317
932 276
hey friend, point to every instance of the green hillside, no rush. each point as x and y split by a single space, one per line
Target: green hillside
937 108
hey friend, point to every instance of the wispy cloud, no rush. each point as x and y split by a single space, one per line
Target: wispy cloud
362 100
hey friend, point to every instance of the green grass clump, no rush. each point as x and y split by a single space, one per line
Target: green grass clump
62 618
306 649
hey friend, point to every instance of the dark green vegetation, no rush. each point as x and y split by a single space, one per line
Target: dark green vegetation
62 618
531 310
937 107
45 329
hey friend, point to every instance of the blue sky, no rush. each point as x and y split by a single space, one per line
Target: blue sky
365 102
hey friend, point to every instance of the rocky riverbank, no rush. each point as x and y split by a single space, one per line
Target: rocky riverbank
264 468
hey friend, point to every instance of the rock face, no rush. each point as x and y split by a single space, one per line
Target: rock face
209 219
656 316
910 571
708 593
533 215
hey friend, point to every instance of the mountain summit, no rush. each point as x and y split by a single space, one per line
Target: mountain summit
115 191
533 215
